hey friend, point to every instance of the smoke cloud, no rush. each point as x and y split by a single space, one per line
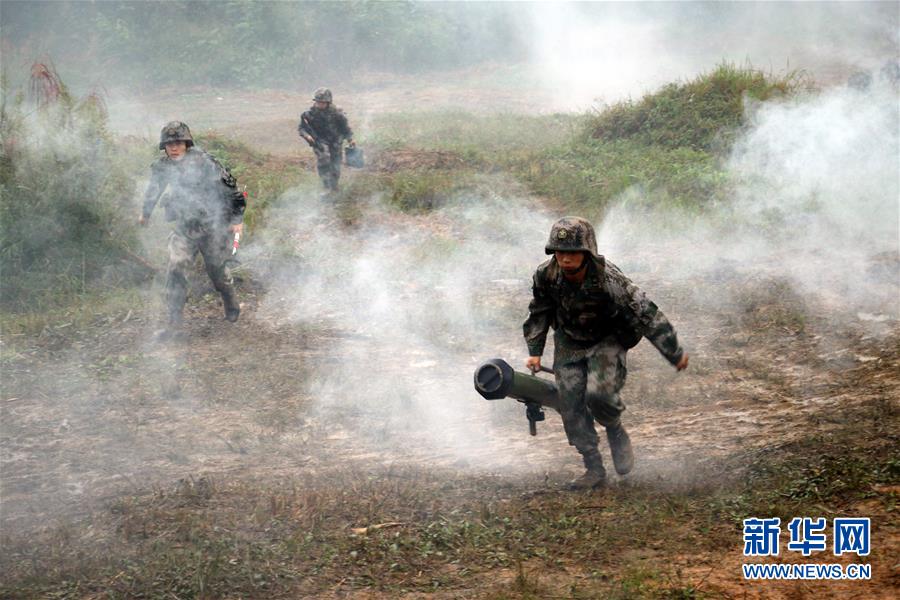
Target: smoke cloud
590 53
415 302
815 200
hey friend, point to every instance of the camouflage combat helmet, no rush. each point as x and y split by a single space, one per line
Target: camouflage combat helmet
322 94
572 234
175 131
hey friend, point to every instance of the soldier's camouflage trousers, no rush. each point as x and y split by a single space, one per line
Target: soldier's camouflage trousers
328 164
184 244
589 382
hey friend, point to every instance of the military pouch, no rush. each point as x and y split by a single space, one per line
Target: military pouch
353 157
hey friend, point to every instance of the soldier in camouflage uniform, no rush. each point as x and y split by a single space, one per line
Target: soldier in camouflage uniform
597 314
324 127
207 208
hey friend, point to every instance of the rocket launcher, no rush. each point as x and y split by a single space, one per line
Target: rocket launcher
495 380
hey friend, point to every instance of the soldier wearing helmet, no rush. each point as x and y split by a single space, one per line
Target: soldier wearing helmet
325 127
597 315
202 200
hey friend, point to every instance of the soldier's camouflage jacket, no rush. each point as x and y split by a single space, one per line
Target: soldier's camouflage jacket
606 304
200 191
328 126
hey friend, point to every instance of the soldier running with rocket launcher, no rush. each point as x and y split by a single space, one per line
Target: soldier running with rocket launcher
597 315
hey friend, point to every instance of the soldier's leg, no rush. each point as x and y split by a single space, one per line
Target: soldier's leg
606 373
605 377
571 378
182 250
336 151
323 167
215 248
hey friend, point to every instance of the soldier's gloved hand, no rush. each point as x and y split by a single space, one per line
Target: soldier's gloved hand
683 363
533 363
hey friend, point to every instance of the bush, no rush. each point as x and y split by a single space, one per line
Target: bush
64 225
696 114
666 147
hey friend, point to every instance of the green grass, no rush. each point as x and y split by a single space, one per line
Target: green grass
663 151
702 114
588 175
488 139
63 315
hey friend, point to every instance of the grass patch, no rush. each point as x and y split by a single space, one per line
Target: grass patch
78 313
663 150
206 538
477 138
421 190
588 175
413 191
704 113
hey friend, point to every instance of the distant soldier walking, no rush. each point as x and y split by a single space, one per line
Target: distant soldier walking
597 315
324 127
207 208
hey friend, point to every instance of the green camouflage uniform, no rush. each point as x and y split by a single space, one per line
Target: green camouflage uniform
329 129
595 322
202 201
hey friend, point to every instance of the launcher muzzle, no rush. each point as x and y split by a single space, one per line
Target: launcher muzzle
495 380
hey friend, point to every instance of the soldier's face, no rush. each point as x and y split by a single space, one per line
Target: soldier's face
569 262
175 150
321 105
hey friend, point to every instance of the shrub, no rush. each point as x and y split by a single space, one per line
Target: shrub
697 114
63 221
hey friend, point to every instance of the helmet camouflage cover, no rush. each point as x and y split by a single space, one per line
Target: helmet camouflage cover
322 94
175 131
572 234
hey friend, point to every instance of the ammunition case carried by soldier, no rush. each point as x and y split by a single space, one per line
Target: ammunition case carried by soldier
495 380
353 157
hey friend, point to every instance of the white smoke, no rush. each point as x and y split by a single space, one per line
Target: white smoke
413 304
595 53
815 200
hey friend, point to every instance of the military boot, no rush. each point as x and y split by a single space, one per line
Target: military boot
595 475
232 308
620 446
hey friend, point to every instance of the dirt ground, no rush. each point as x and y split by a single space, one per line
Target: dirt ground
101 412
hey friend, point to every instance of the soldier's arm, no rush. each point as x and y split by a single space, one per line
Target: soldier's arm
304 129
540 316
155 189
344 127
232 196
235 197
645 316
